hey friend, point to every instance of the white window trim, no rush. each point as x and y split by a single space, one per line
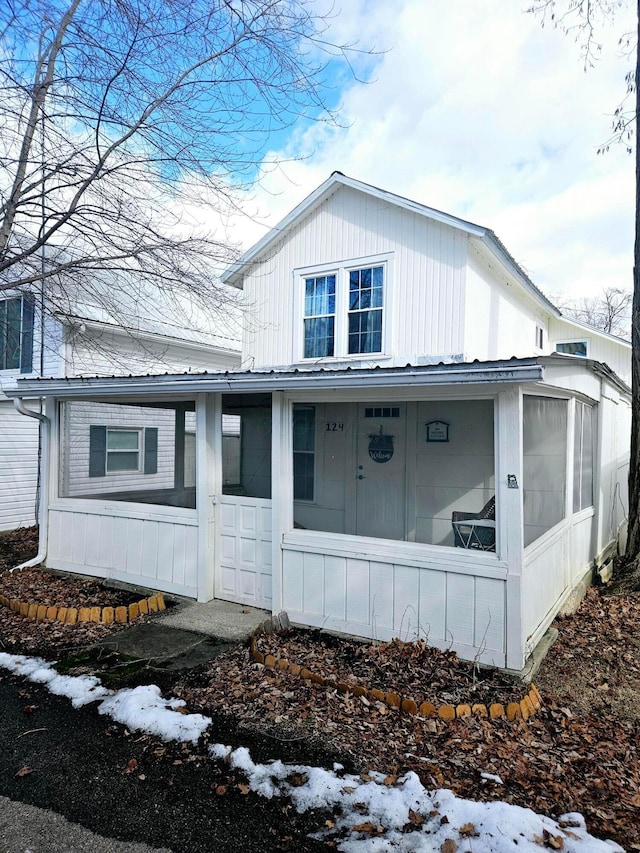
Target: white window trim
140 467
584 341
341 271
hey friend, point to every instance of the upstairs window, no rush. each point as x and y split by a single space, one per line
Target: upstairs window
319 316
341 308
365 310
539 337
16 334
572 347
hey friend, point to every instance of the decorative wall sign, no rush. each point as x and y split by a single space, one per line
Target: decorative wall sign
437 431
380 447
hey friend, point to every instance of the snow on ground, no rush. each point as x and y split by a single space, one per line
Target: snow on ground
370 815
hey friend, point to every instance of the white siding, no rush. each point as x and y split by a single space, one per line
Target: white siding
18 466
75 458
599 347
343 585
117 353
500 321
424 299
149 546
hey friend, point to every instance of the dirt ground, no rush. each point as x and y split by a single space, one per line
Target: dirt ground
581 752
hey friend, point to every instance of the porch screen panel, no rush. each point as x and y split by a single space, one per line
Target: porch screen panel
583 457
544 464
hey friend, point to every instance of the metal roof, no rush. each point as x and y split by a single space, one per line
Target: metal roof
292 379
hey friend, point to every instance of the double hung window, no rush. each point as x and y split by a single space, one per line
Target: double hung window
123 450
344 311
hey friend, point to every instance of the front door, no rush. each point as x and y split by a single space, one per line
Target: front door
381 471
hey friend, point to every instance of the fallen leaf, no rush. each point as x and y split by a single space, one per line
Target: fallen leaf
467 830
448 846
244 789
131 765
24 771
416 817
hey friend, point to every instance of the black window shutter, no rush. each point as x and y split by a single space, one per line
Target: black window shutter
26 343
151 450
97 451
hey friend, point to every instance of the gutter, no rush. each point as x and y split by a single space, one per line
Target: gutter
188 384
43 520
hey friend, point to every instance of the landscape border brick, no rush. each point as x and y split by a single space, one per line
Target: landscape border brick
73 615
529 705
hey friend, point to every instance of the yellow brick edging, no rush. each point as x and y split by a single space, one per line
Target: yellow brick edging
529 705
75 615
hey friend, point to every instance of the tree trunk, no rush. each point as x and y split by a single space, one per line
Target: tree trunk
632 562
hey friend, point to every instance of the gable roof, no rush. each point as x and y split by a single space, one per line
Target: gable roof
484 236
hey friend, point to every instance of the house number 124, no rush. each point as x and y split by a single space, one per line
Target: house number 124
334 427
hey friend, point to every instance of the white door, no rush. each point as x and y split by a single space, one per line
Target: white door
381 474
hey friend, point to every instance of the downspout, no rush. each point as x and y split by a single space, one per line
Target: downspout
43 520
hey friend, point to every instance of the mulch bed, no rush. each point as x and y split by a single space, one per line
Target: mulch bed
20 635
414 670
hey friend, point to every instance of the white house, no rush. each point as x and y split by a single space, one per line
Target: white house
37 342
423 446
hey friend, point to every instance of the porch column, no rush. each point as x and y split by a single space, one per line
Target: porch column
509 516
281 490
208 487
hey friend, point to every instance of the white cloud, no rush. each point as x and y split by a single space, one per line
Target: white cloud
479 111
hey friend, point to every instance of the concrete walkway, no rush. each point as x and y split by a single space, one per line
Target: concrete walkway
232 623
188 634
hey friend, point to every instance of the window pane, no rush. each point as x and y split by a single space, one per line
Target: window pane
121 439
12 329
303 476
320 295
365 332
120 461
573 348
318 337
304 429
365 288
304 424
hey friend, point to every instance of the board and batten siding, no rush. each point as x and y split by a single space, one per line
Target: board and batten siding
500 322
341 585
153 547
18 466
600 347
424 300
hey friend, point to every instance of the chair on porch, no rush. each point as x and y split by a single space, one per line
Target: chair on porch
476 529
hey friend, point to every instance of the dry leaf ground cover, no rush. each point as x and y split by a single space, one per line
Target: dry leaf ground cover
579 753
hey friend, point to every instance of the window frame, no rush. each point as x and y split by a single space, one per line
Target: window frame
578 460
24 334
342 271
573 341
138 431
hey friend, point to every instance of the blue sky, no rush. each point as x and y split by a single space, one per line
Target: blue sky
477 110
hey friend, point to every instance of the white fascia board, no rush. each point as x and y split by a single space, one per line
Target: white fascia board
235 273
187 385
501 254
585 327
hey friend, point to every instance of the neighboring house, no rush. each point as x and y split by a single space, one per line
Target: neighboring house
39 343
422 447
